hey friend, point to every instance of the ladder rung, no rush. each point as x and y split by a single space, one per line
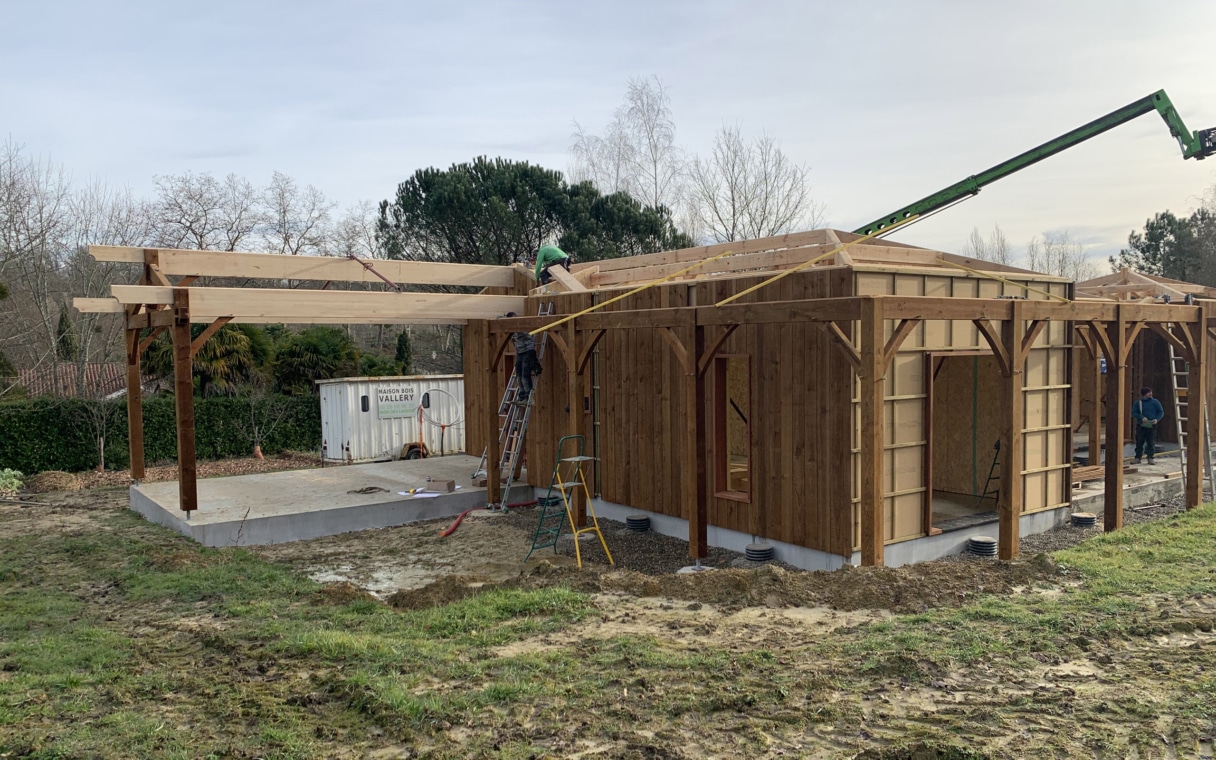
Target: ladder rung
579 459
566 486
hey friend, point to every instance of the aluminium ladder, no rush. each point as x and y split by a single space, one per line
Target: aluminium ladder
1178 380
568 478
514 411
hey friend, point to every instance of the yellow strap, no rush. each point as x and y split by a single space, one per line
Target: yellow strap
567 318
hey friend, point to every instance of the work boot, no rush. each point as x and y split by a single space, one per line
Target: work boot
1151 462
1136 460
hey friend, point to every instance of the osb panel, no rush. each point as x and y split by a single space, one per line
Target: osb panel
909 517
966 421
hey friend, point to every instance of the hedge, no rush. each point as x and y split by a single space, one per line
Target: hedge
53 434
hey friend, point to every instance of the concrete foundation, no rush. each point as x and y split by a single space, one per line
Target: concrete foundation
1141 489
277 507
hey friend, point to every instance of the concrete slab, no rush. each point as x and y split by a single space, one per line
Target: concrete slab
277 507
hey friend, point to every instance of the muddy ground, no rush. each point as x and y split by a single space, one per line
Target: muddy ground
1079 696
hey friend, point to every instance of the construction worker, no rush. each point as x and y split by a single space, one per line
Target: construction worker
1146 413
546 257
526 362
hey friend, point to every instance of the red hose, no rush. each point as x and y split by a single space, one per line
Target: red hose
460 518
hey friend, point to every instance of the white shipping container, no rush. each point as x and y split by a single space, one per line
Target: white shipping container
376 419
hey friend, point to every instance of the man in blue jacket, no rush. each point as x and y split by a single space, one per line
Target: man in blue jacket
1146 413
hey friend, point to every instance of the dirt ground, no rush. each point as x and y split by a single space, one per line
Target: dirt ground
744 609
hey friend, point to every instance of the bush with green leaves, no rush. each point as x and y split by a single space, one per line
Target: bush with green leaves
43 434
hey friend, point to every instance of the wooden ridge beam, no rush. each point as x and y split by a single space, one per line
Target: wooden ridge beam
274 266
689 255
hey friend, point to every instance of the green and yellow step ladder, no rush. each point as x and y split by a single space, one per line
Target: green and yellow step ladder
567 479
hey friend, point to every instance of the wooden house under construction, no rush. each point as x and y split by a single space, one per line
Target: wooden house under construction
843 398
782 402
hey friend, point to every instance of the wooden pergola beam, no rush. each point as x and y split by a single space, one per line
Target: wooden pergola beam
872 374
303 305
273 266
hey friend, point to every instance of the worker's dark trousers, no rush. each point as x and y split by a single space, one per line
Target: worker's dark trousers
526 365
1146 441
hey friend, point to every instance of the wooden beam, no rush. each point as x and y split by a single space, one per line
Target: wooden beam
212 329
1032 334
1196 384
842 341
567 280
699 253
150 319
349 306
902 331
873 381
1116 397
588 347
1012 421
1133 331
273 266
996 343
183 391
97 306
739 262
135 406
716 345
686 359
1169 337
491 394
574 410
815 309
146 342
695 471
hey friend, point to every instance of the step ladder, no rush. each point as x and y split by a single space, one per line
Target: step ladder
1178 382
514 411
993 475
549 525
568 478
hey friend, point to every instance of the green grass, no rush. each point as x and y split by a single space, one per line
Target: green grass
111 642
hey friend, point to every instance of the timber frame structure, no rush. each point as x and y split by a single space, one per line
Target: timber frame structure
864 330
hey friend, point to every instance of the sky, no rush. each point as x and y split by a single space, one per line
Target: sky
885 101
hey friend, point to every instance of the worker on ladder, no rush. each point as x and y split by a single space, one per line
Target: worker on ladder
526 362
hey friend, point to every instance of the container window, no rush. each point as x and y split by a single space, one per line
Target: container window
365 403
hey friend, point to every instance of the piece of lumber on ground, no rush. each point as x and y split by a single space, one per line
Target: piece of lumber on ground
1091 472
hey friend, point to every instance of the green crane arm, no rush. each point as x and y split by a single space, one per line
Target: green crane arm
1197 145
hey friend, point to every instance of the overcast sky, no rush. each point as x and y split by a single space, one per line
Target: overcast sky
886 101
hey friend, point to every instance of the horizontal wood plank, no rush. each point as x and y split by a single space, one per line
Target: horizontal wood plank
273 266
338 305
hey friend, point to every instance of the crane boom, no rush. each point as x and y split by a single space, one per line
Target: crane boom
1197 145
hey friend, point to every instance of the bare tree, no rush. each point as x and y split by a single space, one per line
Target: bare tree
1058 255
297 220
995 248
637 153
751 190
198 211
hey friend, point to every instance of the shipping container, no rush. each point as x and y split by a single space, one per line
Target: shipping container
376 419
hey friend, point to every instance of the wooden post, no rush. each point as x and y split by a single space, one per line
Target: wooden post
490 402
135 406
183 390
872 375
695 472
1095 409
1116 398
574 415
1012 422
1196 392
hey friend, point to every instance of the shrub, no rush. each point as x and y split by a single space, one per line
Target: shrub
42 434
